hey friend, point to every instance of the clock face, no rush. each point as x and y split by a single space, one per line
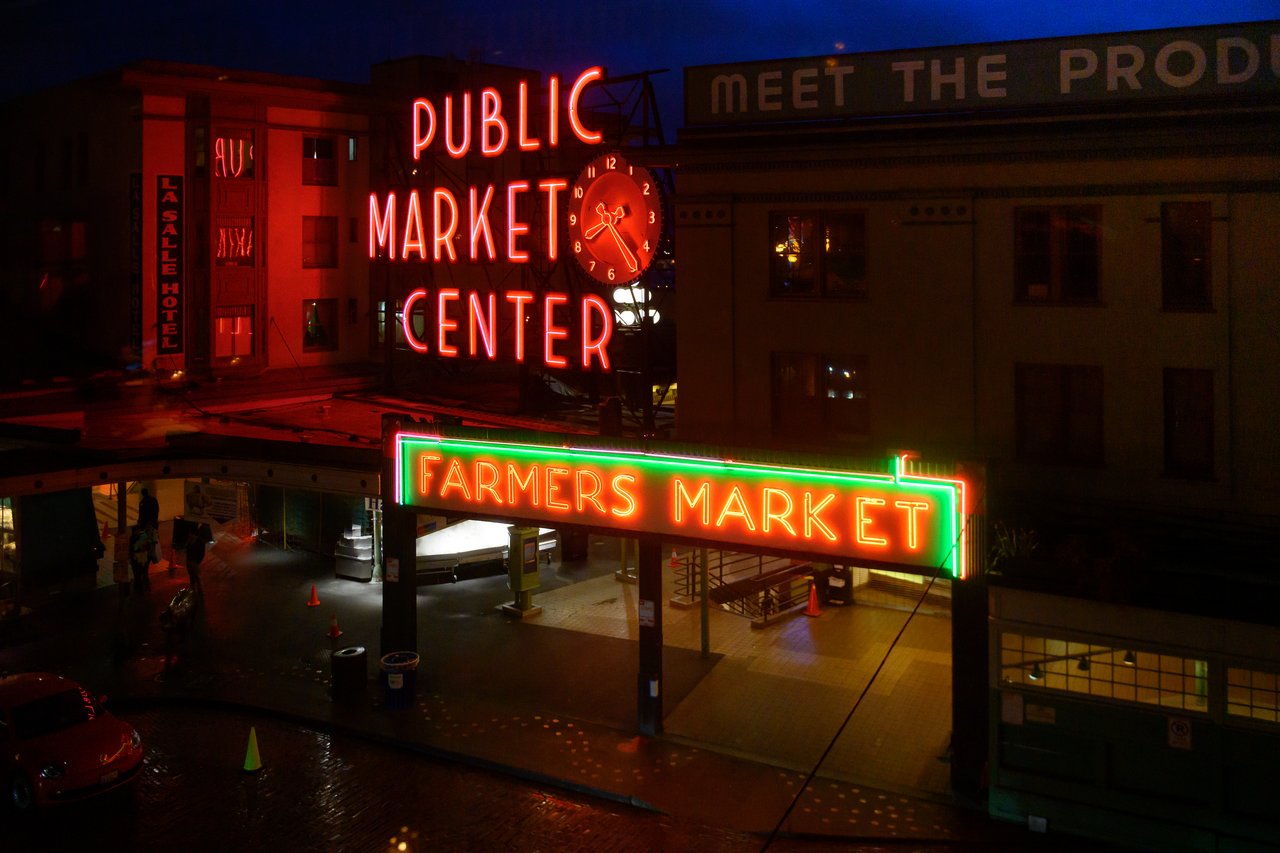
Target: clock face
615 219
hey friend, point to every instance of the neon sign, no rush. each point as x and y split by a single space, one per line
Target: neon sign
840 515
491 223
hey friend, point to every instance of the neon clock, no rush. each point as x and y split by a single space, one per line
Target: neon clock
615 219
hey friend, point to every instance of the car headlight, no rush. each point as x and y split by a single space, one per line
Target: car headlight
135 740
53 771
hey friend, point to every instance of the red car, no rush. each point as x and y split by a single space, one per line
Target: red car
59 744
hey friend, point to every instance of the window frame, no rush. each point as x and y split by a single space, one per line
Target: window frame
315 175
310 259
837 421
1173 256
330 309
1068 443
1058 254
1176 465
822 272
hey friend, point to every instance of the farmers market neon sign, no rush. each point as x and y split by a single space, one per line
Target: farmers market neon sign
896 517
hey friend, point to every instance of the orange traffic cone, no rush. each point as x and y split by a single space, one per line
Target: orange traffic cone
334 631
314 602
675 561
812 609
106 530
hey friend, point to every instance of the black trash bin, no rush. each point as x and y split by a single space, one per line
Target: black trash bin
399 676
350 674
840 586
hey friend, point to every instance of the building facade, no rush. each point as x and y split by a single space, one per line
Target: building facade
1052 260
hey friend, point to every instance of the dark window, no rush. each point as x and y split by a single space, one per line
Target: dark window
1056 253
1184 254
418 318
319 324
318 163
822 396
818 254
1188 423
1059 413
319 241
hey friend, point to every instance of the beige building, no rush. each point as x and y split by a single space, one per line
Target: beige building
1059 266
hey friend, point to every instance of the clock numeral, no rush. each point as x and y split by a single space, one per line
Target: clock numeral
573 219
646 245
611 162
653 217
577 247
631 170
592 268
577 192
610 273
591 171
646 187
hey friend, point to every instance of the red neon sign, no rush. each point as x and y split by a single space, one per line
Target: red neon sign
888 518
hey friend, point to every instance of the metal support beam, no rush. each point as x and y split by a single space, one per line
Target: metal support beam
649 677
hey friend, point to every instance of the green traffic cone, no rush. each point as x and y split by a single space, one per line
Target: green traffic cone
252 763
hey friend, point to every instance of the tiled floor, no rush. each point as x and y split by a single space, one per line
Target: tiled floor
781 694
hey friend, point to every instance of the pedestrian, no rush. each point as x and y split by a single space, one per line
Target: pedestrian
148 510
140 551
197 539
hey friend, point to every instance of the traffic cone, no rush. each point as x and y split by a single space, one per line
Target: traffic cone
252 763
106 530
675 561
334 631
812 609
314 602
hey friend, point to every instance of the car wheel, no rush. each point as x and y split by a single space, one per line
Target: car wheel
21 794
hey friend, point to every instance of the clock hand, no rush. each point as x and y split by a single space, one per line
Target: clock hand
607 221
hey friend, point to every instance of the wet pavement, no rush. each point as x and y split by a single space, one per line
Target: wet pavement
548 706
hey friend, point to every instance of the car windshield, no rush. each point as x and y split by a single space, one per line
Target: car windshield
54 713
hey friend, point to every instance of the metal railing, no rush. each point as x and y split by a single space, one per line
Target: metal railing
757 587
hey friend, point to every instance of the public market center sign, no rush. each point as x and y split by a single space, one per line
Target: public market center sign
832 514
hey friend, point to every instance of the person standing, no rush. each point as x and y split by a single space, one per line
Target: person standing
148 510
140 540
197 539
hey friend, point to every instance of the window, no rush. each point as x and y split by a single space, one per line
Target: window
1184 255
319 166
1150 678
233 156
319 241
233 331
1188 423
1056 253
1059 413
235 242
818 254
319 324
418 318
1255 694
823 396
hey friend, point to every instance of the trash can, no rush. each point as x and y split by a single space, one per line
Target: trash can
840 586
350 674
399 673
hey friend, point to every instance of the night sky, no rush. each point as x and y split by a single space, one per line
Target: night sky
46 42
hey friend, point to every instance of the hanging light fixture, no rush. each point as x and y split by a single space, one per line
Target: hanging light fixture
1035 674
1130 658
1083 665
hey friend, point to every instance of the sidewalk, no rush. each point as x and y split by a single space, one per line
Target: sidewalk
547 704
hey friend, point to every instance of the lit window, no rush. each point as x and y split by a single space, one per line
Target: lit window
1105 672
319 166
319 241
1184 255
233 332
818 254
1056 253
233 156
235 242
820 396
1254 694
319 324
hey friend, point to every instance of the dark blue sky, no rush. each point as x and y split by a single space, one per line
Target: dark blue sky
46 42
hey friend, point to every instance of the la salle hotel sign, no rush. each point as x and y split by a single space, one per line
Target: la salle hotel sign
490 223
840 515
